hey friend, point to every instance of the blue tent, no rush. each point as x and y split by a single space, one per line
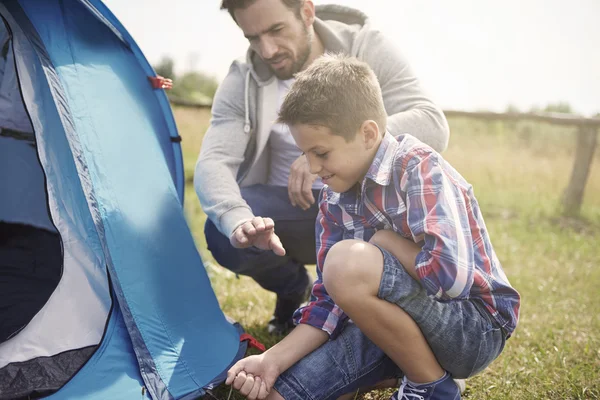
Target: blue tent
117 304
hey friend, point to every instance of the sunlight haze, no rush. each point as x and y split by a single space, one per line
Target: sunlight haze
469 55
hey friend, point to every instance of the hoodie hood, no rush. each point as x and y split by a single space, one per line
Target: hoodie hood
337 27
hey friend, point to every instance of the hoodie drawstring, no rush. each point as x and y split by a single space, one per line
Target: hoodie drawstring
246 101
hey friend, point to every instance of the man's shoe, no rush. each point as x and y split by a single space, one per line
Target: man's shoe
443 389
278 328
281 324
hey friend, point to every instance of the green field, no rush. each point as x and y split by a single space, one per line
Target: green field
519 172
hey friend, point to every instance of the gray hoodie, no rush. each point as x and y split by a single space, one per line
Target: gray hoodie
234 150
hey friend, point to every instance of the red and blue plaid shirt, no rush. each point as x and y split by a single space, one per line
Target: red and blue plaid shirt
413 191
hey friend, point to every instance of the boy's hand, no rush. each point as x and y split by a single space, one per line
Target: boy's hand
253 376
259 232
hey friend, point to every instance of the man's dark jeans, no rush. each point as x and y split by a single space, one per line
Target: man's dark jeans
286 276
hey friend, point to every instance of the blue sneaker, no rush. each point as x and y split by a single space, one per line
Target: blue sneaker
443 389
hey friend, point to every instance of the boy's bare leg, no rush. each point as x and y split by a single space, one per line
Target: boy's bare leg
352 275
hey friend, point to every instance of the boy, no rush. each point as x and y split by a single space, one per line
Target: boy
408 282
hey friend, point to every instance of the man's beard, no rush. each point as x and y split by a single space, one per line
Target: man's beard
298 63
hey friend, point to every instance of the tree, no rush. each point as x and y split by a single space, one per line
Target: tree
194 86
559 107
166 68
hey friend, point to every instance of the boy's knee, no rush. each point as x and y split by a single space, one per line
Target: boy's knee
350 267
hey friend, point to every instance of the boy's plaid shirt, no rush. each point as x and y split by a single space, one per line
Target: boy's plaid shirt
412 190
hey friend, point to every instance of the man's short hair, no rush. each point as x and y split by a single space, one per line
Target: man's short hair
232 5
338 92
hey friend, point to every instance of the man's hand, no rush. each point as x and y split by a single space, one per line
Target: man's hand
300 184
253 376
258 232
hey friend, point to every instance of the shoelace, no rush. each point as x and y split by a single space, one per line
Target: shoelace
408 392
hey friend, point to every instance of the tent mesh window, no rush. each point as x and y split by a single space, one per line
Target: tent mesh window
31 258
30 247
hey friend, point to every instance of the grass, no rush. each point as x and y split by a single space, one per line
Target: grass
519 172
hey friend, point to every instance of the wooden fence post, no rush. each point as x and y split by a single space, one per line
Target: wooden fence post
587 137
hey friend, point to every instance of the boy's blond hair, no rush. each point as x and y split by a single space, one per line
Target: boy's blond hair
335 91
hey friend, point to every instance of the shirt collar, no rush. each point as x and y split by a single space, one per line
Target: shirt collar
381 168
379 172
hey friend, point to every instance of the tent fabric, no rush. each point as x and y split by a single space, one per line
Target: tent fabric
77 310
114 180
111 373
113 23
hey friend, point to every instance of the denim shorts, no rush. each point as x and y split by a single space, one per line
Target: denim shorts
462 334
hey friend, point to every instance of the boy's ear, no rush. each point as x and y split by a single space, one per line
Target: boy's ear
370 133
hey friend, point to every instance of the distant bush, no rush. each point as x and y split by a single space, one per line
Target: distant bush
558 107
192 86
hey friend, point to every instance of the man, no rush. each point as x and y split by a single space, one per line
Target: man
250 172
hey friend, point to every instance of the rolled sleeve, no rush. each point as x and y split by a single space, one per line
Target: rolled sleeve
322 312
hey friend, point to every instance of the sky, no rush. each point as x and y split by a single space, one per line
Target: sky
469 54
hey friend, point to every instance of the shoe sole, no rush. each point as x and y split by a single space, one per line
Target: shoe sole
462 385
